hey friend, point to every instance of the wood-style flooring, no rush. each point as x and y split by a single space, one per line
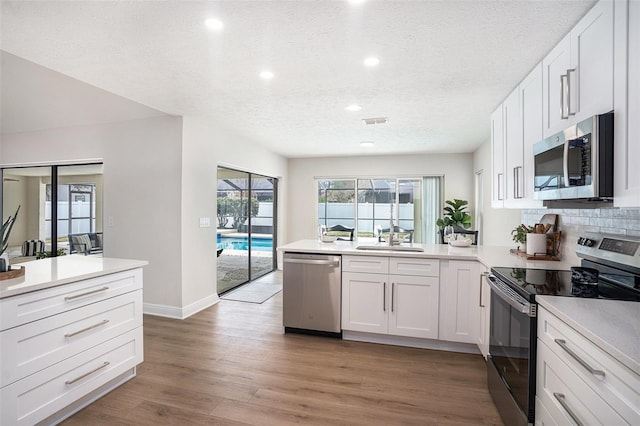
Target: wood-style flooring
231 364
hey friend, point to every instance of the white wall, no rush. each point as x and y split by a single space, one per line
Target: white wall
142 184
457 170
498 223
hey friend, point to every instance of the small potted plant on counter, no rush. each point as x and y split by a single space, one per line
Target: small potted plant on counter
519 234
7 226
455 216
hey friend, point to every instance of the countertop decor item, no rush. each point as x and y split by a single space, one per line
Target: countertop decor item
14 272
7 226
455 214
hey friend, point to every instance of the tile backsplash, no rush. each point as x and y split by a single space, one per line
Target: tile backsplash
573 222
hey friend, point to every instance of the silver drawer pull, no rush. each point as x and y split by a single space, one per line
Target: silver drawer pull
560 398
75 333
563 345
70 382
89 293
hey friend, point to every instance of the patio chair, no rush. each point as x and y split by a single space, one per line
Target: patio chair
340 230
458 230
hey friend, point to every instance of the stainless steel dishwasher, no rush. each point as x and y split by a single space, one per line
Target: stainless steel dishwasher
312 294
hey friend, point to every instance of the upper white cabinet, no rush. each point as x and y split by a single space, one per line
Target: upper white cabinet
512 147
497 159
578 72
627 104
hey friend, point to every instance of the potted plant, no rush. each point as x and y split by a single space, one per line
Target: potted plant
519 234
455 214
5 231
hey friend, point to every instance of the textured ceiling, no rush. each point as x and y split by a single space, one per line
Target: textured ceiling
444 65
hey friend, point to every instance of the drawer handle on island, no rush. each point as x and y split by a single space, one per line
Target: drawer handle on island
91 327
563 345
70 382
384 297
560 398
89 293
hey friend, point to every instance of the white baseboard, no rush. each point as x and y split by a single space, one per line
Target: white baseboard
410 342
180 313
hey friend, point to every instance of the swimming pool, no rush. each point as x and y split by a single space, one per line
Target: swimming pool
242 243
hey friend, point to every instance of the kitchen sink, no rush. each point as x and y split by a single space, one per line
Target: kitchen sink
390 248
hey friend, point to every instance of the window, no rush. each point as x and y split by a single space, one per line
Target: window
76 209
367 204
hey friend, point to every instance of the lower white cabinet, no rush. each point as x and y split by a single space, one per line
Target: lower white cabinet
66 345
579 383
460 301
485 313
403 304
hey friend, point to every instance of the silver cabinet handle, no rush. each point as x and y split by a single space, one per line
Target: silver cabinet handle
573 70
384 297
70 382
563 344
560 398
482 275
88 293
517 184
500 197
563 79
91 327
393 289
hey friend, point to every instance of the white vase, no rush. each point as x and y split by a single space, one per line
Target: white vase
537 244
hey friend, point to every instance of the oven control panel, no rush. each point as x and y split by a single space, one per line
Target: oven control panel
621 249
619 246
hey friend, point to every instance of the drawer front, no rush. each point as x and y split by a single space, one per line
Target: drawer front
414 266
566 396
33 306
40 395
32 347
619 386
366 264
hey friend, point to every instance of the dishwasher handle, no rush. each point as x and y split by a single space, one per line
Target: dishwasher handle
332 263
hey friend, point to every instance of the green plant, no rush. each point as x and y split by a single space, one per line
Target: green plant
44 254
7 226
520 232
455 214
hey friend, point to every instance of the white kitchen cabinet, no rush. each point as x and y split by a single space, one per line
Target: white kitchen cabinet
577 381
397 304
578 72
485 313
460 301
627 104
514 154
64 346
497 159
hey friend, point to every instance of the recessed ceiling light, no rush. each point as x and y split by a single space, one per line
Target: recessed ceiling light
214 24
356 2
371 61
366 143
353 107
266 75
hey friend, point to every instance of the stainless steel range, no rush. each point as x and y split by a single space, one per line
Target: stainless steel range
610 269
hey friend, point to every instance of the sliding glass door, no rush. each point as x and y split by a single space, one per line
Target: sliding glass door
246 227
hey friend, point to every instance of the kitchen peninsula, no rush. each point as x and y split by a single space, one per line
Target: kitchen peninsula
70 331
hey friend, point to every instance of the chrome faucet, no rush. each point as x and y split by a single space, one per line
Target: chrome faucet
391 238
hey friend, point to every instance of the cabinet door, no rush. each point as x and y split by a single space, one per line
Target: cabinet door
591 85
414 306
627 105
460 302
364 302
485 313
513 149
531 113
497 159
554 106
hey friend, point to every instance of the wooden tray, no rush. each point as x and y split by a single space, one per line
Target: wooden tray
12 273
533 256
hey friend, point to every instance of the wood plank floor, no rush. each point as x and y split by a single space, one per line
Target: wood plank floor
231 364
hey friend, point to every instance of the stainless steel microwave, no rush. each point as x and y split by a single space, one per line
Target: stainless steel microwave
576 163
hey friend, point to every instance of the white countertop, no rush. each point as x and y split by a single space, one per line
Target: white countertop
487 255
612 325
54 271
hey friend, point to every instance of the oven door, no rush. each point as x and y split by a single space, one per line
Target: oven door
512 348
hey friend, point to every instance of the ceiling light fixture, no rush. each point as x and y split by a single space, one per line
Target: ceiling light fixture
366 143
266 75
353 107
214 24
371 61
